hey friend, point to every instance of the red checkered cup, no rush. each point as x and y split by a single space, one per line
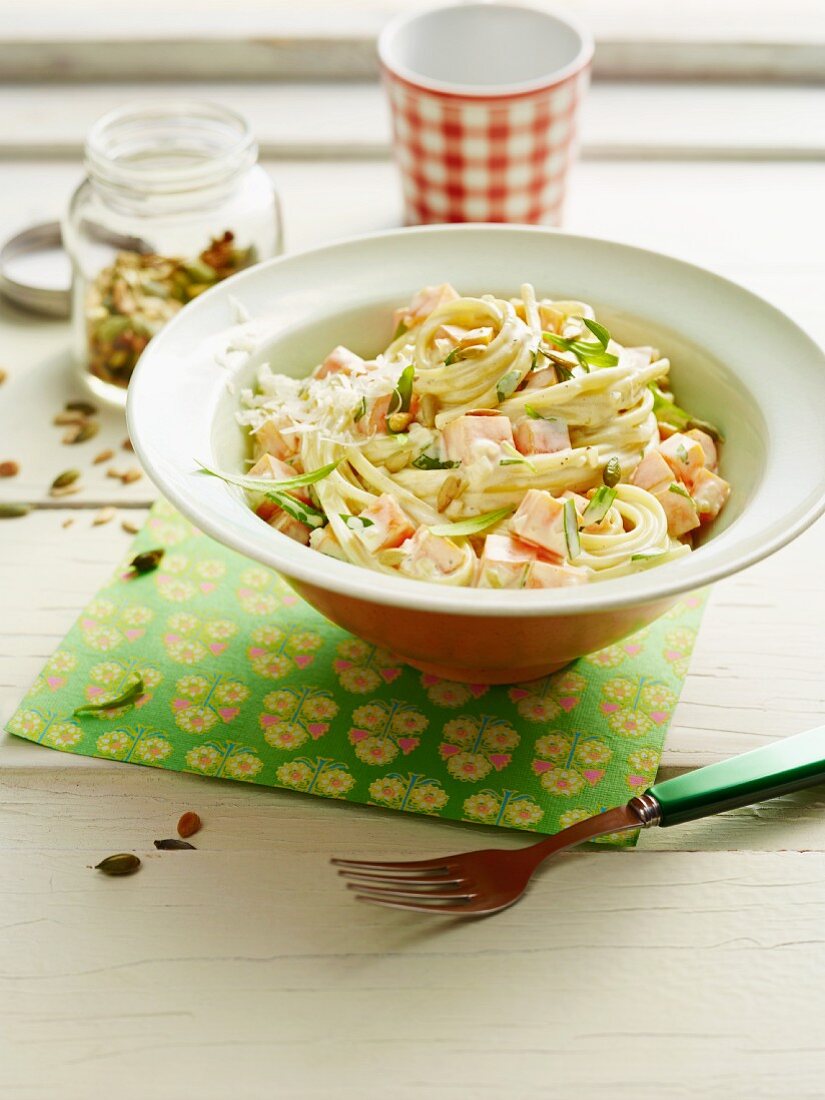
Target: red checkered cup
485 101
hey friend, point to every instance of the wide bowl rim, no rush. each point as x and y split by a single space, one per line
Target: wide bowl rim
311 568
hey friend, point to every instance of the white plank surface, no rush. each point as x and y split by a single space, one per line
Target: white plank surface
690 967
350 120
276 39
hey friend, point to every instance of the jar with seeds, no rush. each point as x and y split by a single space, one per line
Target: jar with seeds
174 201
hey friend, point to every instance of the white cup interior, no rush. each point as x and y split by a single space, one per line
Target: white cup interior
478 47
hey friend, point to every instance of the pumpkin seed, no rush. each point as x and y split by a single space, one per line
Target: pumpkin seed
146 561
124 863
14 511
68 477
81 407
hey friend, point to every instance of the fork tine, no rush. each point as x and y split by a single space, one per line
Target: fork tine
417 906
399 865
401 880
413 895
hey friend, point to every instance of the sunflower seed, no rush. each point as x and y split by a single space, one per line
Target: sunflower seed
67 522
64 418
450 489
174 845
3 375
104 456
129 527
132 474
105 515
81 407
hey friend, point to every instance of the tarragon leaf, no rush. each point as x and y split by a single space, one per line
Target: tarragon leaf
268 485
474 525
507 384
428 462
667 411
571 529
600 504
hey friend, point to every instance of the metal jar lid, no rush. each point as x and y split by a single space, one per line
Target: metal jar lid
35 270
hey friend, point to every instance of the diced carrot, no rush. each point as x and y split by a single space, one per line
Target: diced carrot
540 521
423 304
708 446
387 524
504 562
684 455
544 574
652 472
462 434
339 361
428 556
680 509
541 437
710 493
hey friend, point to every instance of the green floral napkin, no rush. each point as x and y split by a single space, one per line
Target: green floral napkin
222 670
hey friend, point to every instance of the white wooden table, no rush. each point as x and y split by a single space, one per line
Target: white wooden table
692 966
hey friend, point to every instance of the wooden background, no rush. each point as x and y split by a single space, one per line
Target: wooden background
693 966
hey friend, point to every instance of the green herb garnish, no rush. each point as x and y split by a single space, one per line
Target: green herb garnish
587 352
401 328
571 529
428 462
674 487
516 458
365 521
128 695
360 410
268 486
667 411
472 526
507 384
402 394
612 473
600 504
454 356
599 331
307 514
649 557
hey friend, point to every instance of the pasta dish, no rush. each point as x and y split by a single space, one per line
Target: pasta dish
498 443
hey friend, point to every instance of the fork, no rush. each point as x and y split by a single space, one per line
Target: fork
474 884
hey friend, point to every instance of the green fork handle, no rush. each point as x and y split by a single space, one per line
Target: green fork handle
756 776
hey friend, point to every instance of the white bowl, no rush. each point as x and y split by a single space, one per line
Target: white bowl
737 361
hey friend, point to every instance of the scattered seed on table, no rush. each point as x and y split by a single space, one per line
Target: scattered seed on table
189 824
127 445
67 522
14 511
124 863
65 491
62 419
83 407
114 472
9 468
130 527
174 845
105 515
104 456
3 375
132 474
68 477
146 561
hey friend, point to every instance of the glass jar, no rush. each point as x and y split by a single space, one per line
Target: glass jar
173 201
